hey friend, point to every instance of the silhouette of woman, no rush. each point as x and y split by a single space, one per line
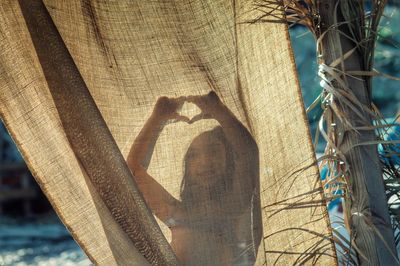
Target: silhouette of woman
217 220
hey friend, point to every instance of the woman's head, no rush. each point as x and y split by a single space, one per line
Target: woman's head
208 163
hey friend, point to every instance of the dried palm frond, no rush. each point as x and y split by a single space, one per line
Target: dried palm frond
359 27
296 12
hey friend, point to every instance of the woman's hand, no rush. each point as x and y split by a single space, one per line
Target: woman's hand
208 105
168 109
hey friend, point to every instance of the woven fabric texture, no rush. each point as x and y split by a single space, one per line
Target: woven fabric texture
125 56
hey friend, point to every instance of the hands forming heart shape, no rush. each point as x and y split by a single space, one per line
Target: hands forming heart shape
168 108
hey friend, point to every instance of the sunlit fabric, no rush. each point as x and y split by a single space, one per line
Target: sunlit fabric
202 104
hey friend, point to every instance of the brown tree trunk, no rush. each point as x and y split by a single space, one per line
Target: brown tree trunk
369 218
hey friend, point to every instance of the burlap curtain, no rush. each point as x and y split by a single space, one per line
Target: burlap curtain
79 79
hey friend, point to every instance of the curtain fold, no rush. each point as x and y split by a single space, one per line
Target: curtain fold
76 94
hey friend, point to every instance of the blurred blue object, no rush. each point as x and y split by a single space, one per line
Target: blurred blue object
38 242
391 153
333 204
8 151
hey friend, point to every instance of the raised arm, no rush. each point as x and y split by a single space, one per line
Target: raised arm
248 227
158 199
245 148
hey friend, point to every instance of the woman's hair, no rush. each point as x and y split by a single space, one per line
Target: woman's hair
222 185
